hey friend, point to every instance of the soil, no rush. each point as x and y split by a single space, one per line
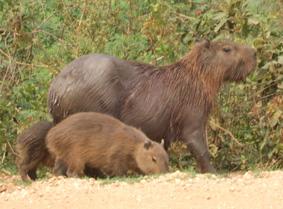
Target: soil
176 190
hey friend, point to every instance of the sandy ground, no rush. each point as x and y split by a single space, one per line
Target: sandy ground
171 191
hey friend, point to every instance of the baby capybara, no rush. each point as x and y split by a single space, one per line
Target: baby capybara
102 142
31 150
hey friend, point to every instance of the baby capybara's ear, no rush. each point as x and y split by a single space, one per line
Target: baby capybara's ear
147 144
162 143
205 43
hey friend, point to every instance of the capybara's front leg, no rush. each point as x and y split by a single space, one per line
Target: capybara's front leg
60 168
75 169
196 143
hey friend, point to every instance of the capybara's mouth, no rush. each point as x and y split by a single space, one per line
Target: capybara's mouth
246 69
254 61
253 66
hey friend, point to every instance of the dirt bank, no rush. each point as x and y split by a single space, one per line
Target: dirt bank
174 190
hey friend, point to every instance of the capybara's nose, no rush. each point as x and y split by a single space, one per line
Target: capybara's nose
251 51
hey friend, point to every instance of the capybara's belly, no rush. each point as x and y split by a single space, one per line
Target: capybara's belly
150 109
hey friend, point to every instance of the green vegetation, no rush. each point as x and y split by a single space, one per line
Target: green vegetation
37 38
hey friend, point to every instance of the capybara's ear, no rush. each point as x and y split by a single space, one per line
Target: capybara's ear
206 43
162 143
147 144
198 40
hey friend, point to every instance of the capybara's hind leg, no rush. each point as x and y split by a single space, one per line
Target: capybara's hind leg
24 174
60 168
75 169
28 174
28 171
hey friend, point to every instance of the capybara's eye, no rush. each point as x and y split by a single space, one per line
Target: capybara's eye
154 159
227 49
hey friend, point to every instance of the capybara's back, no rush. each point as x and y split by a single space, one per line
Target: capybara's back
103 142
32 151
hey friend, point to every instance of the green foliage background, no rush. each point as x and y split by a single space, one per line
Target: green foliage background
37 38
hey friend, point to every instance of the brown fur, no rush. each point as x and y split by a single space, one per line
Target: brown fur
103 142
32 151
170 102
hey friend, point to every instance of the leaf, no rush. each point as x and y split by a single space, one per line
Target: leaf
280 60
220 25
259 42
252 21
266 66
265 141
220 16
275 118
280 85
212 124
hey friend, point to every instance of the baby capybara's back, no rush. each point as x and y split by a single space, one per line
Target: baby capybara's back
31 149
103 142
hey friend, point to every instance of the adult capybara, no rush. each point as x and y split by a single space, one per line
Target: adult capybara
170 102
100 141
31 150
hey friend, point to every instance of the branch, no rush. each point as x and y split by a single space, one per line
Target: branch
11 148
32 65
227 132
21 63
5 54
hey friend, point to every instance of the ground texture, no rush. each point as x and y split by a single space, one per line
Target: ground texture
171 191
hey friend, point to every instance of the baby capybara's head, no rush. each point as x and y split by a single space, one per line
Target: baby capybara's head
152 158
224 59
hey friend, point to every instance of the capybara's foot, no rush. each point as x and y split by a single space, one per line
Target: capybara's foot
74 173
208 169
27 175
75 169
32 174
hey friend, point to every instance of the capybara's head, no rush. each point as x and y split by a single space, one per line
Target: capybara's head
226 60
152 158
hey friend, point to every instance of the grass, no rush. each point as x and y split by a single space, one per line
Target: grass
19 182
189 173
9 168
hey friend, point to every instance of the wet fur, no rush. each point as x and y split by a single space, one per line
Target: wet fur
104 143
170 102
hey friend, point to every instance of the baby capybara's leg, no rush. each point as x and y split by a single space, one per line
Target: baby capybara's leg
60 168
75 169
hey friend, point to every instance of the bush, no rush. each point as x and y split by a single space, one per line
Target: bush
37 38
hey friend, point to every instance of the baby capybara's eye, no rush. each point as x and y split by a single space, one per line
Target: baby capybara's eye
227 49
